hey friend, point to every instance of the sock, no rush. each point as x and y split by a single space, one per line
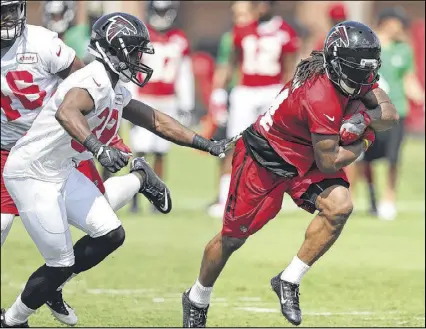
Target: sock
200 295
225 182
119 190
18 313
68 280
6 224
295 271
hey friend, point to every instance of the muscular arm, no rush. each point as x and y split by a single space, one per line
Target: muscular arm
330 157
381 110
77 103
75 65
159 123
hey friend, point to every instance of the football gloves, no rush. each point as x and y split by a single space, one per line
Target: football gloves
216 148
353 127
109 157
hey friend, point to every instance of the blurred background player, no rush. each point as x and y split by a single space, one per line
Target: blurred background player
336 14
242 14
171 87
398 79
265 52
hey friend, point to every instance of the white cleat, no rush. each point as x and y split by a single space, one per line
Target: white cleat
62 311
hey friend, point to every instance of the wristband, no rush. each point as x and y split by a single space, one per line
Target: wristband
92 144
201 143
366 144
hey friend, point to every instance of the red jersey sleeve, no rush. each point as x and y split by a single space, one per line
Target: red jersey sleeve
323 109
293 43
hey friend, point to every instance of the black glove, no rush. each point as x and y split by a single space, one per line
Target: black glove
216 148
109 157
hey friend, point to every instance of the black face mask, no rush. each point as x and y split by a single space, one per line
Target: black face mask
13 18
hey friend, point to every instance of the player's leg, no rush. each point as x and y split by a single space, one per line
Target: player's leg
255 197
118 190
7 206
6 225
141 142
90 211
42 210
387 209
331 197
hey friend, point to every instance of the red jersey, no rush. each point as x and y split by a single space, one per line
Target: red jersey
260 48
170 49
315 106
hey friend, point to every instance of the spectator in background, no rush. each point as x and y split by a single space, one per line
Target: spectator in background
398 79
242 14
58 16
336 14
78 36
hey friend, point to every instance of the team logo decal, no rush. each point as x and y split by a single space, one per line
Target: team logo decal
339 37
119 26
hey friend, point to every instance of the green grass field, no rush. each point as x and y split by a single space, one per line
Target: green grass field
373 276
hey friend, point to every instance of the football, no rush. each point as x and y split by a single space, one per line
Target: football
353 107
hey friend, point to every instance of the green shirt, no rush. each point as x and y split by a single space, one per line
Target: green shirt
78 37
224 54
397 61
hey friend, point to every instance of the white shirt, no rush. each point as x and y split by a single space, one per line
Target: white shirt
29 78
47 152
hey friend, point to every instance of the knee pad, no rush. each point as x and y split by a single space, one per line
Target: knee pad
114 238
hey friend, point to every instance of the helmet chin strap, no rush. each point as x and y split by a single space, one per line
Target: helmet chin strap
345 87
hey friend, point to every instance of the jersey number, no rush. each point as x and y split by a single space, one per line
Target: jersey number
103 132
164 63
21 84
261 55
266 121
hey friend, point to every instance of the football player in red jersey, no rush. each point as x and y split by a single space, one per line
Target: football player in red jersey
171 87
265 51
299 146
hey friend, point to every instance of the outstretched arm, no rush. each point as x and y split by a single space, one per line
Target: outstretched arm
170 129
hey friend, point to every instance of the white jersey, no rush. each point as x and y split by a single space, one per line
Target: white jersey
47 152
29 78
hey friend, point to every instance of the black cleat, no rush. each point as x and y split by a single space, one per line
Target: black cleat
193 316
153 188
4 325
61 310
288 295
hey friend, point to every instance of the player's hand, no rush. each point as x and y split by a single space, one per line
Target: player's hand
219 148
112 159
109 157
353 127
368 138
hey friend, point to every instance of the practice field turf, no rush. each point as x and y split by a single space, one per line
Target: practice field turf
373 276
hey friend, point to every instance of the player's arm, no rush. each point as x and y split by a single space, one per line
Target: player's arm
330 156
76 104
170 129
382 112
75 65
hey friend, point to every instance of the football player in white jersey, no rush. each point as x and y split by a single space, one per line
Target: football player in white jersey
77 123
33 62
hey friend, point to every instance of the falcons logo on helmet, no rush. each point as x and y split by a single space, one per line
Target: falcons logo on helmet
119 26
339 37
